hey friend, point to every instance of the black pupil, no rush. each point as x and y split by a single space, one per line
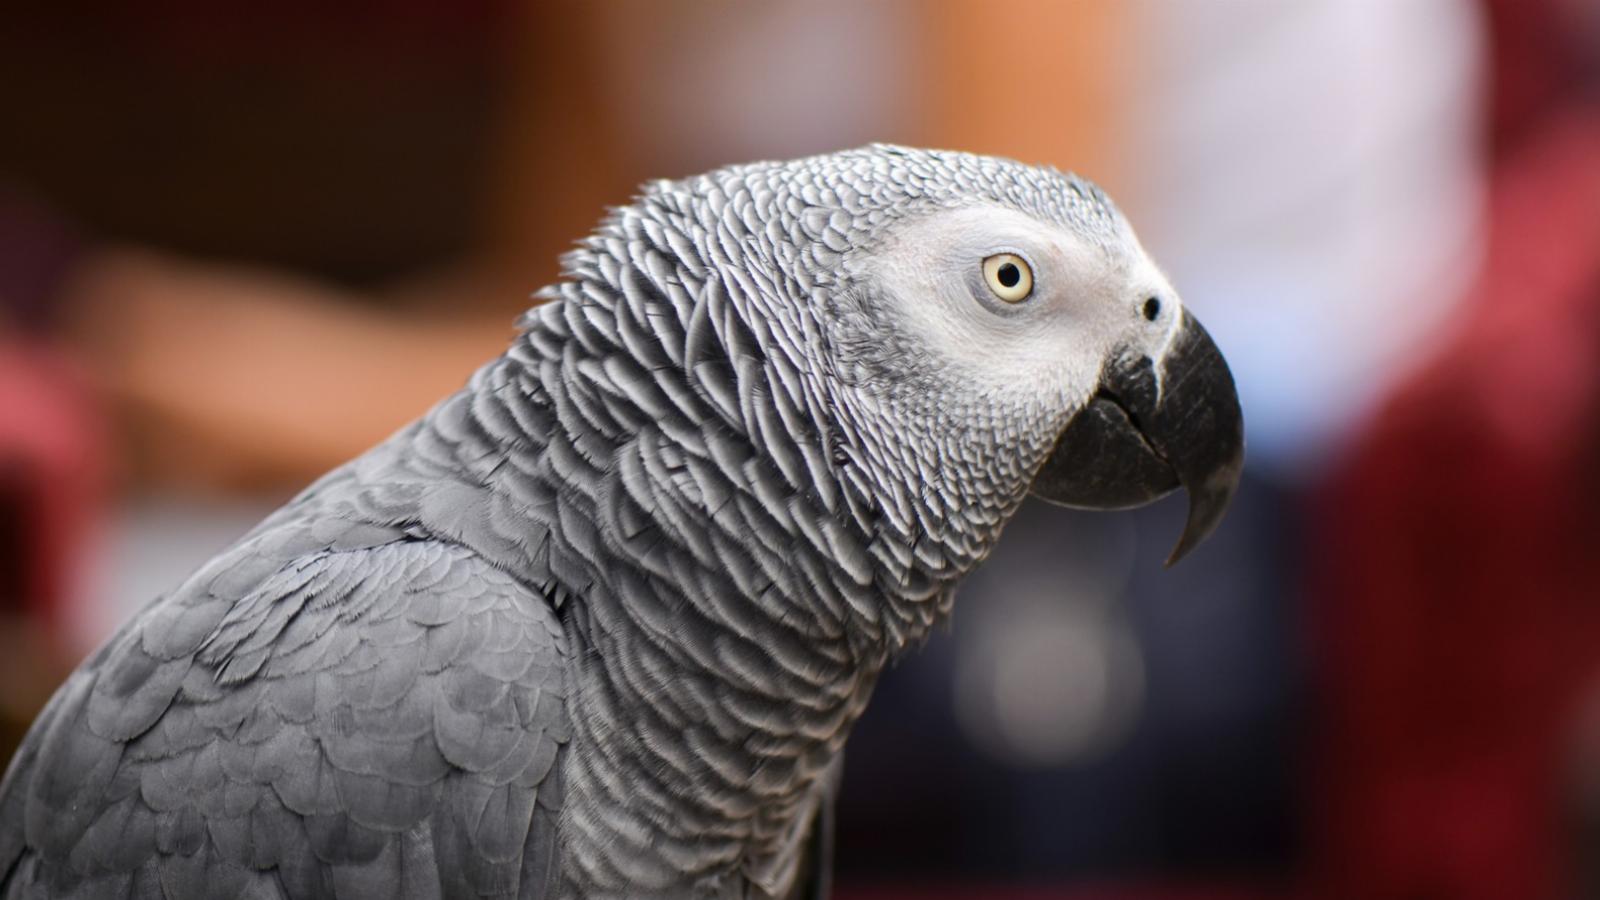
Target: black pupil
1009 274
1152 308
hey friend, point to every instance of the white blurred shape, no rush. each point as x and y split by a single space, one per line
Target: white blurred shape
148 547
1309 174
1049 682
740 81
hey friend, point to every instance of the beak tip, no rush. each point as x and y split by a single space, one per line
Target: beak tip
1185 544
1207 505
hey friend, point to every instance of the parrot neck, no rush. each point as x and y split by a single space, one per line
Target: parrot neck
656 457
728 627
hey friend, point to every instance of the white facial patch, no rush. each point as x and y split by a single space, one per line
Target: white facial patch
1048 347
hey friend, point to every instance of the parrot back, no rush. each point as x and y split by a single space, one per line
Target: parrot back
329 708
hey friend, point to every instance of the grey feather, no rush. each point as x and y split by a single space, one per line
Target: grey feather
280 775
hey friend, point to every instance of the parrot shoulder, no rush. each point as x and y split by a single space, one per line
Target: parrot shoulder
327 708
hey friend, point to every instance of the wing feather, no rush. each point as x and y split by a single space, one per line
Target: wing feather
332 709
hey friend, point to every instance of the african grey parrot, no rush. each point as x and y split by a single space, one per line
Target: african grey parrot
598 624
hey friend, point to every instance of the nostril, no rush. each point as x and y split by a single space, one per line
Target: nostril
1152 308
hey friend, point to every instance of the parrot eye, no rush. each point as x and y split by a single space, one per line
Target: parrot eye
1008 275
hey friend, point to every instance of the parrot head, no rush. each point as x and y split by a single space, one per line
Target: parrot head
917 340
998 330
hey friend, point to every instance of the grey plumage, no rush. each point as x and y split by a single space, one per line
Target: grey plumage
599 623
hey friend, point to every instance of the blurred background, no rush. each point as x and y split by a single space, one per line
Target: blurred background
239 245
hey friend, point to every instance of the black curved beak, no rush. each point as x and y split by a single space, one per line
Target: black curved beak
1148 432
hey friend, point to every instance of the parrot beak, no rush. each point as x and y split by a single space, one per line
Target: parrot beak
1146 433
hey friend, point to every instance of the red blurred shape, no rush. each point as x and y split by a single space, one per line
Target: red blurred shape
1459 594
52 479
1138 891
